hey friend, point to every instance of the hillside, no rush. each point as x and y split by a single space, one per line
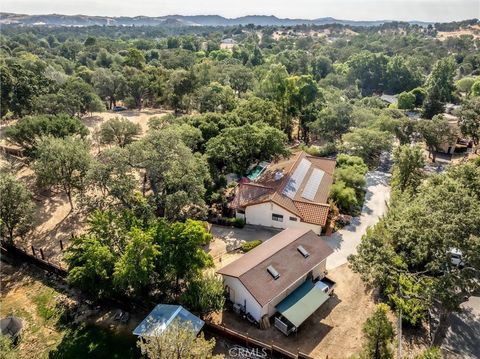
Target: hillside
169 20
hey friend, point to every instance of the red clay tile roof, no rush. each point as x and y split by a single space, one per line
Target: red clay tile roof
269 188
281 252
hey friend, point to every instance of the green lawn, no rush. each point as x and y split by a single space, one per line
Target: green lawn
95 342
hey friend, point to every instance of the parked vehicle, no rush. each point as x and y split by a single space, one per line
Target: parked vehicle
456 257
326 285
119 108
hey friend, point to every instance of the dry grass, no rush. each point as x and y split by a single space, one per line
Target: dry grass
335 330
473 30
54 220
40 303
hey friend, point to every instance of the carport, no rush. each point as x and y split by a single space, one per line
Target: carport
298 306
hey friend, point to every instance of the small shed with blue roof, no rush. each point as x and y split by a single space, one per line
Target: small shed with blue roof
162 316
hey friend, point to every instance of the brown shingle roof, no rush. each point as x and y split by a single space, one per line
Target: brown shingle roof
281 252
269 188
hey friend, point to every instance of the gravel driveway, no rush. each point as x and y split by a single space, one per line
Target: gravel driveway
345 241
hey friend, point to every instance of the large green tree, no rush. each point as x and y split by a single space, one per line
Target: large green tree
408 167
118 130
439 87
63 163
436 132
177 341
177 176
16 207
378 332
27 131
469 119
236 148
366 143
408 254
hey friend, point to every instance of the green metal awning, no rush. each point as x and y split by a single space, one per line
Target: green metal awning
302 303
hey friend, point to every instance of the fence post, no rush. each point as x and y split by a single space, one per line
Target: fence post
61 244
41 254
33 251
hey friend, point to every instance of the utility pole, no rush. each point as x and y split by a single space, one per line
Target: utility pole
399 324
399 330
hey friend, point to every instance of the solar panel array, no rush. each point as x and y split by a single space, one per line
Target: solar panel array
296 180
312 185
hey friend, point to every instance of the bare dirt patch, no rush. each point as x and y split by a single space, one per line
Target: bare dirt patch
473 30
54 221
140 117
41 302
335 329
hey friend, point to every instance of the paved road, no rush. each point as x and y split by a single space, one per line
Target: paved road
345 241
234 237
462 339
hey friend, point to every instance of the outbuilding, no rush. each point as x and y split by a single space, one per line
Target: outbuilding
162 316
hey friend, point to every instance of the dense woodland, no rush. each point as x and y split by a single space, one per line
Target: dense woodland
276 88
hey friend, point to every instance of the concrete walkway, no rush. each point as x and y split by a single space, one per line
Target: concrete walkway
345 241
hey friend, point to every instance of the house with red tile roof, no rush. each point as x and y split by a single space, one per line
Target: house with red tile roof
290 193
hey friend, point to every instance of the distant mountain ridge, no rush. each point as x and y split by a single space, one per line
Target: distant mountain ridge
174 20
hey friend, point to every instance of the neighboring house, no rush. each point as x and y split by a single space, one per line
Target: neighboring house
162 316
291 193
227 43
280 275
448 147
457 144
389 99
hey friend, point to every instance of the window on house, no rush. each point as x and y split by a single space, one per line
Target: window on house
277 217
294 219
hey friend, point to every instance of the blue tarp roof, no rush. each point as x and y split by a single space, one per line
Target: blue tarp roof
161 317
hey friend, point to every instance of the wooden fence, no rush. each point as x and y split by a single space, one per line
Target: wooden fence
249 342
219 330
21 254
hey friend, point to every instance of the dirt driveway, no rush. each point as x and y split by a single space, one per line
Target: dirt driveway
335 329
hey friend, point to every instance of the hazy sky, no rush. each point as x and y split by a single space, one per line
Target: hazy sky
428 10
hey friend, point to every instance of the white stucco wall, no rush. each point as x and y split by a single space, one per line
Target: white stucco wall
261 214
240 295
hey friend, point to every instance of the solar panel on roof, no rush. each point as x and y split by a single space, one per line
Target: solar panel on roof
296 179
312 185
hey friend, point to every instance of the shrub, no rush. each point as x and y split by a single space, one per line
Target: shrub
406 101
230 221
204 294
327 149
248 246
344 197
430 353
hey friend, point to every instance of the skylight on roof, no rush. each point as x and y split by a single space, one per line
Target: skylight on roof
312 185
303 251
273 272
